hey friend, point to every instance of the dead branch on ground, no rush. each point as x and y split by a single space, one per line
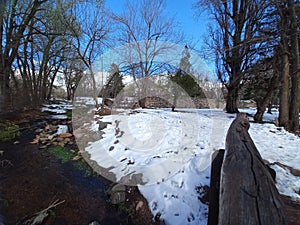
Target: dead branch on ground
39 217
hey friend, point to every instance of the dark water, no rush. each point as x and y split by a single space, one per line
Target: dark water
43 177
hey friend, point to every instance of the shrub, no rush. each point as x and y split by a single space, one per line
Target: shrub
8 131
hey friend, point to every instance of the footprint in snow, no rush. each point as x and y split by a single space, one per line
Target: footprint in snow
191 217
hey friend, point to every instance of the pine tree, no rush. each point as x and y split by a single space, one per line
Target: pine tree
184 78
114 84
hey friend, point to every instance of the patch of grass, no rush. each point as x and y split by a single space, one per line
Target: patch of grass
62 153
69 113
65 156
82 165
9 131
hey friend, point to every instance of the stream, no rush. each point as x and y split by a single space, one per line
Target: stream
34 178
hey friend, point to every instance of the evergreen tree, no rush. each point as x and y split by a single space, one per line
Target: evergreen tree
187 83
185 64
114 84
183 77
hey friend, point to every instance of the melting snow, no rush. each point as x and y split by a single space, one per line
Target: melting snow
172 151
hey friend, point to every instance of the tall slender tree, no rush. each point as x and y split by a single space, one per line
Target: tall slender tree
90 28
288 25
295 66
284 64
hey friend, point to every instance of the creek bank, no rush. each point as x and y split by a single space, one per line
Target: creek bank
34 178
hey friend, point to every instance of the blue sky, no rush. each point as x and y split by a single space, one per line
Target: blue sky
194 27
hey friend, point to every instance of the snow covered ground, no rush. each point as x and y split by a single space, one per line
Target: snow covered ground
58 110
168 154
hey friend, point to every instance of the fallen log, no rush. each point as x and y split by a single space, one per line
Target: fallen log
248 195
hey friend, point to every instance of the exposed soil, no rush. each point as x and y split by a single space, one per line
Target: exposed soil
32 178
292 210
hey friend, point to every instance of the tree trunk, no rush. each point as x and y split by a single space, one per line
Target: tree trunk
266 100
49 94
284 92
50 89
69 94
248 195
231 101
4 90
95 91
295 69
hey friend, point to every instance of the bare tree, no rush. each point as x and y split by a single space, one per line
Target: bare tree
148 35
73 71
40 56
142 26
90 27
15 18
236 40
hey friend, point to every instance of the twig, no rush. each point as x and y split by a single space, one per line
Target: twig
38 217
5 163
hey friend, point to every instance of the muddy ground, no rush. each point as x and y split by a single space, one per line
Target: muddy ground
32 178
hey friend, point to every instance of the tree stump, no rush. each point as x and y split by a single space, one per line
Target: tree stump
248 195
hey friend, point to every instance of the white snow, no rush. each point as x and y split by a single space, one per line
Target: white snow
276 145
57 108
88 101
287 183
59 117
157 142
62 129
170 153
176 199
53 110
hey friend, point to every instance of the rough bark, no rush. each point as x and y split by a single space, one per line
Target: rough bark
248 195
295 69
284 89
231 100
4 88
267 99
